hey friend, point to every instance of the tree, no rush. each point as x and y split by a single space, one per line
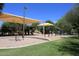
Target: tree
64 25
70 20
1 7
48 21
35 24
10 28
73 18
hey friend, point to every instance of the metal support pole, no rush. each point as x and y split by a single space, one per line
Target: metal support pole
24 23
23 32
16 34
43 30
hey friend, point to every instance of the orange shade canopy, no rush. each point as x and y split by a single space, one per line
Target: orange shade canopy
16 19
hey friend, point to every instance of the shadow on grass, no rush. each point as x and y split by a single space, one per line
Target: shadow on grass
71 46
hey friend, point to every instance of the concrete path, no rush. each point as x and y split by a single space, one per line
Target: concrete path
10 42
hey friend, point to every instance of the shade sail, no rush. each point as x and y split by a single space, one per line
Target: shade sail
46 24
16 19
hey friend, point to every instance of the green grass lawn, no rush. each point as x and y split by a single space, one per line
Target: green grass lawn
65 46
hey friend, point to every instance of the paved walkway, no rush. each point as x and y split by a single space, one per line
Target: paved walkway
10 42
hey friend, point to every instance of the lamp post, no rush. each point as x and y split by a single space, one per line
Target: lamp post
24 13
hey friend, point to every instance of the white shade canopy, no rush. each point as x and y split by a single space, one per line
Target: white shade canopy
46 24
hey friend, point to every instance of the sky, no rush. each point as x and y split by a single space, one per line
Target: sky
39 11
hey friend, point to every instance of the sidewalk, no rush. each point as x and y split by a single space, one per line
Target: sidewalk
10 42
